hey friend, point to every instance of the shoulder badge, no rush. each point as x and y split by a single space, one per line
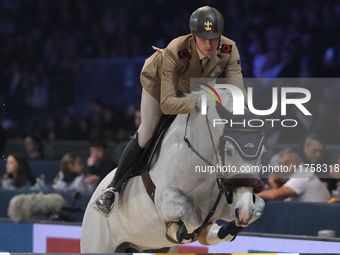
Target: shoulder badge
184 53
225 48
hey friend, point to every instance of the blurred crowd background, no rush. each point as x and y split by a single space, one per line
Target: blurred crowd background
43 42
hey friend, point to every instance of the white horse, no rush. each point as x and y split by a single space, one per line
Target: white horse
181 200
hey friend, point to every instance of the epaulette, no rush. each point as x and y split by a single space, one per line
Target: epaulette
184 53
226 48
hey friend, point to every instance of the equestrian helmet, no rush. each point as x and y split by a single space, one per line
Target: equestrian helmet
206 22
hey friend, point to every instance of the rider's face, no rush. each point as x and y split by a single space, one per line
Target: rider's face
207 46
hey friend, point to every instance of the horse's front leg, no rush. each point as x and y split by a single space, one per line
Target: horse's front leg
176 207
242 208
213 234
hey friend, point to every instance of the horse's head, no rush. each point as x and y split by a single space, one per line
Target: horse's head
240 148
239 138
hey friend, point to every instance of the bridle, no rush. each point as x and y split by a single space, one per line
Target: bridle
186 140
234 136
224 184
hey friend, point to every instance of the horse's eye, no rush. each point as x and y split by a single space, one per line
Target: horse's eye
229 152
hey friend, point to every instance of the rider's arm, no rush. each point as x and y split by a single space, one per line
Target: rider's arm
170 103
277 194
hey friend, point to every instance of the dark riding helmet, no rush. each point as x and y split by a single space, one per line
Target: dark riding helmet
206 22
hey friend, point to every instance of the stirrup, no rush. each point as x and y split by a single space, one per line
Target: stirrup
103 205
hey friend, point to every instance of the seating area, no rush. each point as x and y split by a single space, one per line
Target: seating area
291 218
48 168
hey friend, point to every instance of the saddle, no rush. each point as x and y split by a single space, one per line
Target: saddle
151 151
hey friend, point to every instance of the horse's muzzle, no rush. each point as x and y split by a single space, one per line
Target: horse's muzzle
242 218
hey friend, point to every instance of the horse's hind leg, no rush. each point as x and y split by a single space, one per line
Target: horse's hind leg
176 207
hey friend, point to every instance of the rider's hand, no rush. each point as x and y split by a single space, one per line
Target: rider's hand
198 103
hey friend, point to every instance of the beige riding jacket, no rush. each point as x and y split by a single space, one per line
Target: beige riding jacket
166 74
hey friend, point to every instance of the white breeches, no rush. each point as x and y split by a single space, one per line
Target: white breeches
150 114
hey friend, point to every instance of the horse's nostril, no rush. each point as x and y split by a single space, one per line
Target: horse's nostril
254 198
230 198
236 214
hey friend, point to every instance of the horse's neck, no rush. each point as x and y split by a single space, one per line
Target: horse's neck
203 137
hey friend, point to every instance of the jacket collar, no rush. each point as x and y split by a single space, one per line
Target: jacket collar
214 59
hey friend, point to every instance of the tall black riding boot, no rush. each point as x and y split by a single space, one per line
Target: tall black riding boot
132 152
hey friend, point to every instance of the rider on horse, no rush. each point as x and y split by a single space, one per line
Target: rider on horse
165 78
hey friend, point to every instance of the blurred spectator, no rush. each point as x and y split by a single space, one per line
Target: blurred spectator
327 116
50 131
300 185
96 132
84 129
42 42
290 68
71 177
271 66
335 170
33 147
3 135
96 106
18 173
36 96
314 152
99 162
67 129
111 122
329 65
295 135
3 139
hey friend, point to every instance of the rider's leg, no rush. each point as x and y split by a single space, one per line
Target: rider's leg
150 114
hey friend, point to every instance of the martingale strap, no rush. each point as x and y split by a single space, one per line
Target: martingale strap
151 189
206 221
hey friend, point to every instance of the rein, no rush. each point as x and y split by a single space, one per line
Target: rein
219 184
186 140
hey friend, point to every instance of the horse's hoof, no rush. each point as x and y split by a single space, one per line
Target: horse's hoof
182 233
229 229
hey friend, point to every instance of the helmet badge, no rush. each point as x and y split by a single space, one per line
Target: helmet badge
208 25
